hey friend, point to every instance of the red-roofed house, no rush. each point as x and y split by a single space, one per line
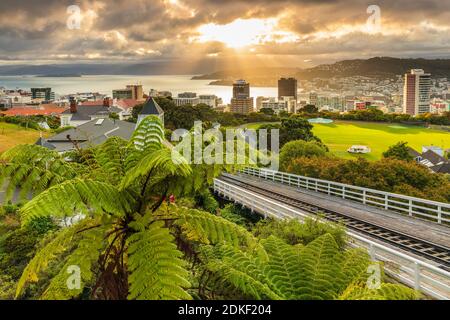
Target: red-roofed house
127 105
41 110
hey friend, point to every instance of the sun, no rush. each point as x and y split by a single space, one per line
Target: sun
239 33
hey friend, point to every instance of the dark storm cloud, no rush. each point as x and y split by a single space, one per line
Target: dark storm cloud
32 29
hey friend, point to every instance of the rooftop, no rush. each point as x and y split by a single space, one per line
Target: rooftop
45 110
91 133
151 107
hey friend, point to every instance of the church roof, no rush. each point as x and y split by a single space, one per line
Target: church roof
151 107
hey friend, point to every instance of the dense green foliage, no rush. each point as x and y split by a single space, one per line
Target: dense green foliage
399 151
290 129
32 122
184 116
317 271
373 114
300 148
293 232
390 175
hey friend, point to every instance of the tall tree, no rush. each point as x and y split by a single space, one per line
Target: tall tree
399 151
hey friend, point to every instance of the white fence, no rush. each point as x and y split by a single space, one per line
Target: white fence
415 207
418 274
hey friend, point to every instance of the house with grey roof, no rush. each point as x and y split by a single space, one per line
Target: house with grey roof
89 134
98 130
431 159
78 115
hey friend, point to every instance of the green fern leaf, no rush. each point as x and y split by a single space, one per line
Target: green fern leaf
156 268
79 263
75 197
206 228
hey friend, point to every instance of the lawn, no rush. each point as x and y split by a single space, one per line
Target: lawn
12 135
341 135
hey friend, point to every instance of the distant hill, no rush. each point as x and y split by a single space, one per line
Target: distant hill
383 67
379 67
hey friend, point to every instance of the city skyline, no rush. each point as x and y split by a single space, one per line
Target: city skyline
262 33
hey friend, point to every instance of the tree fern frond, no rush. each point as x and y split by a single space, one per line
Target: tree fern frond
387 291
282 268
147 137
110 156
42 258
160 164
62 242
32 169
354 267
207 228
156 268
318 270
242 270
75 197
77 272
391 291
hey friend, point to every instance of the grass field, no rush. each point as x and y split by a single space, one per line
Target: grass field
379 137
12 135
341 135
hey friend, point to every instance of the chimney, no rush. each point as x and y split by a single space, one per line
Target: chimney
73 105
106 102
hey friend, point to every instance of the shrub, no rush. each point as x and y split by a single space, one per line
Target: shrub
294 232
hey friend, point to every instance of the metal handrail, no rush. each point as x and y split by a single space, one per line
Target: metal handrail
415 207
421 275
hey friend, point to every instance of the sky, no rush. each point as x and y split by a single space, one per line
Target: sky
299 33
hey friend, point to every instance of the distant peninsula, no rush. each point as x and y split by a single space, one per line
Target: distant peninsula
63 75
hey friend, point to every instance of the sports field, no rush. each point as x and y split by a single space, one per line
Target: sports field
339 136
12 135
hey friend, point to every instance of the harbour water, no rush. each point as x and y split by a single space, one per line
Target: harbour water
106 83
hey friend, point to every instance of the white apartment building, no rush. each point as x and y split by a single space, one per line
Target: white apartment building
274 104
210 99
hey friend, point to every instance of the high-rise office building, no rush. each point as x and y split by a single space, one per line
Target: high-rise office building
241 101
137 92
45 94
313 98
416 92
287 87
133 91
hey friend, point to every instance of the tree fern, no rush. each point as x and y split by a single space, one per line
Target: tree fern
62 242
82 259
155 265
205 227
110 156
33 169
316 271
242 270
387 291
319 268
147 137
77 196
160 164
282 268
